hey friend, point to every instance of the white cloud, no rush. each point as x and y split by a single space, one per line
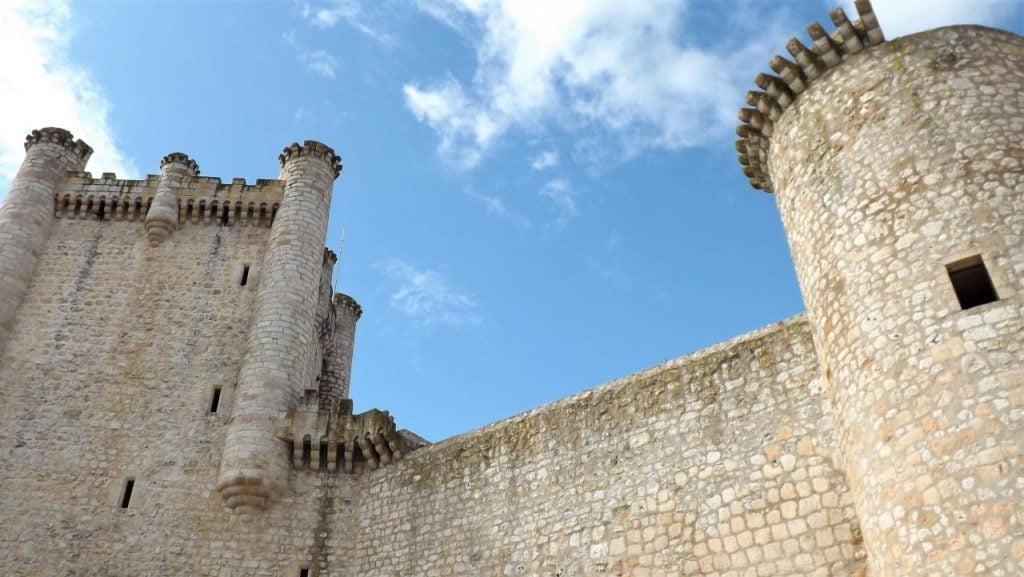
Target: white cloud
606 67
426 296
319 62
562 197
328 14
42 86
544 160
902 17
496 206
464 128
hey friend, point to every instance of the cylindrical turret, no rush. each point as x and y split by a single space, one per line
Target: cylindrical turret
339 363
162 218
899 174
27 213
280 354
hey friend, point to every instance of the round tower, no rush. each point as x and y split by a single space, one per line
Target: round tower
162 218
898 169
280 352
27 213
348 312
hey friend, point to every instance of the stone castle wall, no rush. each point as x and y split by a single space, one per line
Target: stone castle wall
881 434
714 464
109 375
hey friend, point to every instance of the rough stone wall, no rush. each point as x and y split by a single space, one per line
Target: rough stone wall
716 464
905 159
108 376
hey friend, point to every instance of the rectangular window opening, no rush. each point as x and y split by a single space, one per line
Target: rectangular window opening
215 400
245 275
304 572
971 282
126 497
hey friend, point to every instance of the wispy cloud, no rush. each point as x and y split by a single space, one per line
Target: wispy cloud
902 17
562 198
496 206
42 86
426 296
327 14
544 160
620 71
320 62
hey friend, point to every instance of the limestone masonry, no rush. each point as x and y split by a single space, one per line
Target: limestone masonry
175 367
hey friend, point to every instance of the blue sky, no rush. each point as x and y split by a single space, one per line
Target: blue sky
538 197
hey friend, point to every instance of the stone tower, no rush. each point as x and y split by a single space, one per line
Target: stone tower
26 216
277 365
899 174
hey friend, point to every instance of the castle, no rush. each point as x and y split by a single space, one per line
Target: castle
175 367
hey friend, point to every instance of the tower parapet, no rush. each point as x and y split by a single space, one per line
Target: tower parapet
280 357
202 200
312 149
26 216
779 92
898 179
78 150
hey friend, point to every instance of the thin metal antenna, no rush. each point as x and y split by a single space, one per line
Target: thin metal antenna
337 266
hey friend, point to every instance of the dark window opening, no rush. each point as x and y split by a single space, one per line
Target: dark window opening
307 450
971 282
304 572
225 210
245 275
323 454
215 400
126 497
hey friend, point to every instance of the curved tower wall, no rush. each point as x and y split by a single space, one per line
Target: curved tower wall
907 158
280 356
339 364
162 219
27 213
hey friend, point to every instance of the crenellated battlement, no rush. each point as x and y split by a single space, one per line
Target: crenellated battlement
204 200
328 437
180 158
826 52
314 149
343 300
60 137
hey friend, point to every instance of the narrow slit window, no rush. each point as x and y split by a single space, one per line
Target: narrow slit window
971 282
215 400
307 452
126 497
245 275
